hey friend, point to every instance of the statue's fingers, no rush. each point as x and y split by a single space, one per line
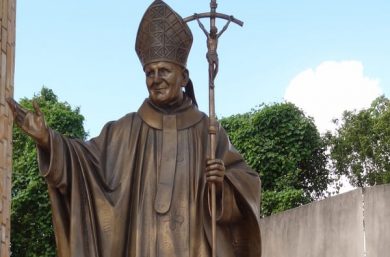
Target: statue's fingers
220 173
37 109
20 116
12 104
215 179
214 161
216 167
18 112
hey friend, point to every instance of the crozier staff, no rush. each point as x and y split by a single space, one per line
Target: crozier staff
139 189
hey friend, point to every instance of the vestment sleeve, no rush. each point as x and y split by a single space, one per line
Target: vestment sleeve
227 209
67 157
241 233
240 180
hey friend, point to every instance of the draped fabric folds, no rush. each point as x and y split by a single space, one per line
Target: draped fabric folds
103 191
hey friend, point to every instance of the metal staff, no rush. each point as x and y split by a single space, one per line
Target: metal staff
212 58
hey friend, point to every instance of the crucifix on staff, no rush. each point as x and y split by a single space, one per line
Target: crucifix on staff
213 61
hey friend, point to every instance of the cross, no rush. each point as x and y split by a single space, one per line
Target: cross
212 58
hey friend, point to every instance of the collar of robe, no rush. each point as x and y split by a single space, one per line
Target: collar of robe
187 114
170 122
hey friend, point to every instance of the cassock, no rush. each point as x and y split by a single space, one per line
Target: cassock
139 189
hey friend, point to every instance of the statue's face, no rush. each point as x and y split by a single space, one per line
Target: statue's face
164 81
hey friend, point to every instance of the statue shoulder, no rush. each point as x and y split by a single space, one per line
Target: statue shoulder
123 123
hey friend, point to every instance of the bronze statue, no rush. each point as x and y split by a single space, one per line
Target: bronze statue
140 188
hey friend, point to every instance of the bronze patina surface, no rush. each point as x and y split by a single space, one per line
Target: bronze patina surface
140 188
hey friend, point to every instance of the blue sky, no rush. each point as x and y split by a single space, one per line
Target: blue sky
325 56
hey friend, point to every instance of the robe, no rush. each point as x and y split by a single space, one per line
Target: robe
106 192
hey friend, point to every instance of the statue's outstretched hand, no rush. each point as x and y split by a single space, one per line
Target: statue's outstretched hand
32 123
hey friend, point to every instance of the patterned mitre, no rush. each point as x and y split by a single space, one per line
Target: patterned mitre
163 36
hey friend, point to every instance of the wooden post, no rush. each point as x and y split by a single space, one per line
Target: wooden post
7 60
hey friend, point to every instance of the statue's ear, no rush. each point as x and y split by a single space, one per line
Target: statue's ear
186 77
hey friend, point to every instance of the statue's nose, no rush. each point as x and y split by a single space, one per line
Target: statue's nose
157 77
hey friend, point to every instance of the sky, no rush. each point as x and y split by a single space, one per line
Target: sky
324 56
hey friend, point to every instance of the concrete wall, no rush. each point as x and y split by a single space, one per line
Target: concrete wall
328 228
377 220
353 224
7 59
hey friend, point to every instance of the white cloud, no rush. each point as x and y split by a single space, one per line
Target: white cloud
331 88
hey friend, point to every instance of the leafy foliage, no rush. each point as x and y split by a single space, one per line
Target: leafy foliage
278 201
32 232
360 147
284 146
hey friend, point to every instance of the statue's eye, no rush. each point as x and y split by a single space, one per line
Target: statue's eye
149 74
163 72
